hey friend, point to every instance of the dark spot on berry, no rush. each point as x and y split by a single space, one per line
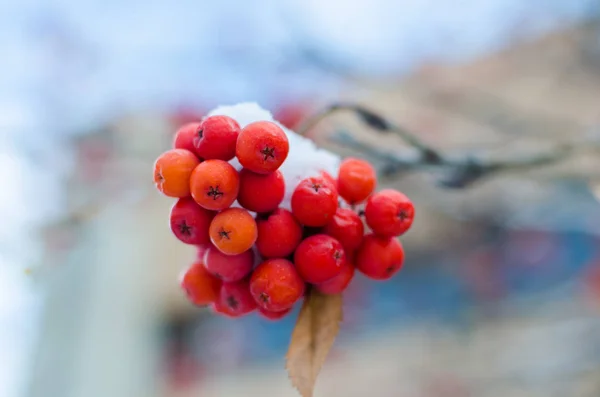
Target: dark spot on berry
200 133
390 269
224 233
316 186
214 192
268 153
185 229
402 215
337 255
159 176
361 213
232 302
263 297
217 275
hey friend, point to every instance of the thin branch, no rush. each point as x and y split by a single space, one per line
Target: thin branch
376 122
458 171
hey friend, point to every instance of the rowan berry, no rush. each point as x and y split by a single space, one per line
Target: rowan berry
347 227
379 257
201 287
329 178
261 192
172 171
216 138
184 137
314 201
276 285
234 299
338 283
190 222
356 180
389 213
278 234
319 258
233 231
215 184
228 268
262 147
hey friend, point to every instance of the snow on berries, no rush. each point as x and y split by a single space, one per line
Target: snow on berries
273 215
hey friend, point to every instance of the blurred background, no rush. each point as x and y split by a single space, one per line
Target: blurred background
500 294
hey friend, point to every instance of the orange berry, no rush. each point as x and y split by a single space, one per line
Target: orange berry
356 180
215 184
201 287
172 171
233 231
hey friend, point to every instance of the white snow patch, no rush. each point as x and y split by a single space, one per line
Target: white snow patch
304 160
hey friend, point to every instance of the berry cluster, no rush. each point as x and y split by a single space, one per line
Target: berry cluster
254 254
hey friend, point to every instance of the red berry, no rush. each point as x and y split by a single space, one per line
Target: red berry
327 176
214 184
234 299
216 137
278 234
261 192
262 147
190 222
319 258
274 316
347 227
184 137
276 285
380 257
356 180
340 282
314 201
389 213
228 268
200 286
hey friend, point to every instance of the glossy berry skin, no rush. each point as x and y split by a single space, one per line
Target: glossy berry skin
261 192
233 231
347 227
319 258
172 172
389 213
184 137
229 268
276 285
201 287
273 316
314 201
278 234
262 147
214 184
379 257
339 283
189 222
234 299
356 180
216 138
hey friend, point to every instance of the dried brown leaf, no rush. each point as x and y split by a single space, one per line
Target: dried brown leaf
315 331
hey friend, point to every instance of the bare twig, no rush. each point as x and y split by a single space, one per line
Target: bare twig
458 171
